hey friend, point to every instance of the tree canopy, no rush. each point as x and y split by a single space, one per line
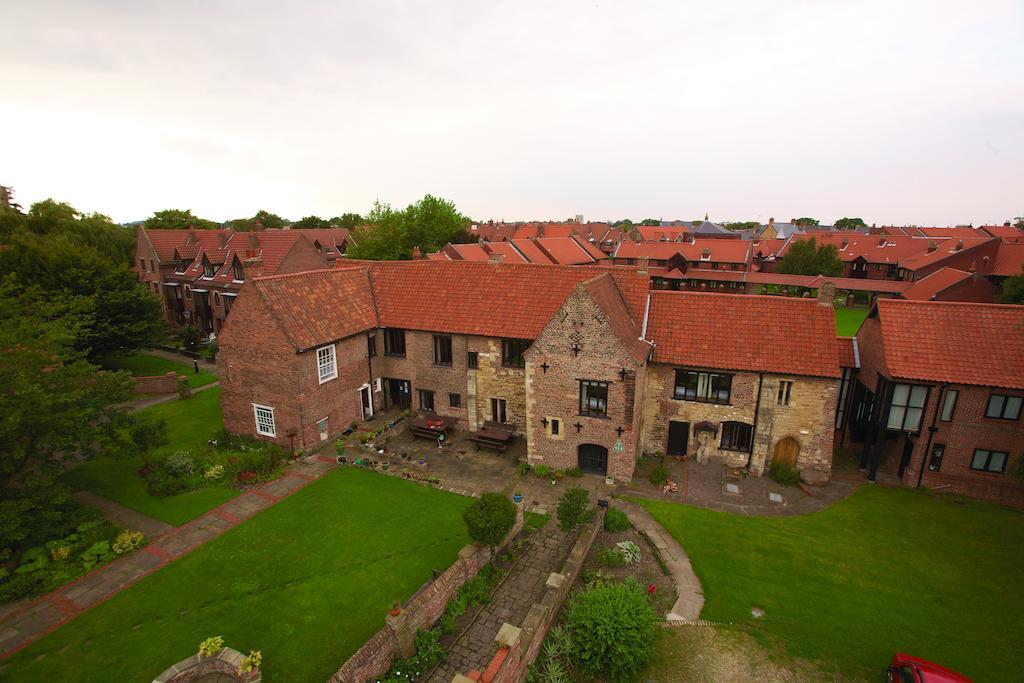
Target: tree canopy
311 222
347 220
1013 289
489 518
49 218
743 225
806 220
650 222
178 219
390 234
850 223
807 257
624 224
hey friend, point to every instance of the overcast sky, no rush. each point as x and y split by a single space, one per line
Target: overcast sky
897 111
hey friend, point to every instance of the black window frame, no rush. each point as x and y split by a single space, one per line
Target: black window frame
988 460
555 426
586 398
785 392
454 400
682 391
472 360
371 346
731 440
208 269
499 410
238 272
935 461
442 350
391 336
955 393
1002 411
907 407
428 394
513 352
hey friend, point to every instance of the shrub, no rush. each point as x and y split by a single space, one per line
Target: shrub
524 468
162 483
211 646
615 520
611 557
785 474
128 541
250 662
659 476
542 471
180 464
60 553
214 472
574 472
612 630
573 508
429 653
98 553
489 518
630 551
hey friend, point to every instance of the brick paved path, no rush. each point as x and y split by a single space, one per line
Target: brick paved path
24 623
545 552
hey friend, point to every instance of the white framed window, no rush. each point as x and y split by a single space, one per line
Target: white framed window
326 363
264 420
785 392
322 428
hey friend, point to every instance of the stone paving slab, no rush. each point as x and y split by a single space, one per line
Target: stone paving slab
25 622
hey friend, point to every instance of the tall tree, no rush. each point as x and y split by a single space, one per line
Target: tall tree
624 224
390 234
650 222
807 257
743 225
1013 289
350 221
178 219
269 221
50 218
312 222
850 224
805 221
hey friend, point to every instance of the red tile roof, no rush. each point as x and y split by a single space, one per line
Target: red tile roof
716 250
608 297
529 249
508 251
566 251
849 354
959 343
743 332
928 287
872 248
1007 233
320 306
1009 260
470 252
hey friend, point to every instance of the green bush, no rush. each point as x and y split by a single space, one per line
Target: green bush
524 468
542 471
180 464
611 557
489 518
785 474
612 630
659 476
574 472
615 520
429 653
573 508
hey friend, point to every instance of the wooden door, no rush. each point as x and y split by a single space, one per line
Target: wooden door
593 459
678 437
786 451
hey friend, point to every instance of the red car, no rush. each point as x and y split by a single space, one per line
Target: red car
908 669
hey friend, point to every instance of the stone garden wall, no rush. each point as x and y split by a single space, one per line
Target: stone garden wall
398 636
159 384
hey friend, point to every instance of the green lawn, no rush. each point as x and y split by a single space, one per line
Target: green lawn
306 582
883 571
848 320
191 423
142 365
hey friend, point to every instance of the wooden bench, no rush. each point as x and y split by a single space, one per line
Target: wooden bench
421 426
492 435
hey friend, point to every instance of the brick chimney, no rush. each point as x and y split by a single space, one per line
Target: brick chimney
416 254
826 294
932 246
959 245
495 257
254 241
222 239
642 264
192 238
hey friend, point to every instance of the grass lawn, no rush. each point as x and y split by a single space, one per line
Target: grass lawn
306 582
883 571
142 365
191 423
848 320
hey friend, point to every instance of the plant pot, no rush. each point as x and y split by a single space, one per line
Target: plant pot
517 497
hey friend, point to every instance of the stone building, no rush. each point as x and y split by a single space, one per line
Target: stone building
589 365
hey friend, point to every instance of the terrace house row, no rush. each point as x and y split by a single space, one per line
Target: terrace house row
589 365
198 273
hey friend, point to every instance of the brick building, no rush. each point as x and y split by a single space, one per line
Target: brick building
938 396
588 364
202 271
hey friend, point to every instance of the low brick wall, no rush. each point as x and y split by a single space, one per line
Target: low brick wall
160 384
398 637
518 650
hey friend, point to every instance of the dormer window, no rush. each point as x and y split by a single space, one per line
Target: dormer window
705 255
207 268
239 273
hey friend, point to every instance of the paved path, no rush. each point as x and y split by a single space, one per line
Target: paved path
545 552
123 516
691 597
31 620
142 403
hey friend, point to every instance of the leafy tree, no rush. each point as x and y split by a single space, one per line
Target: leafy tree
805 221
312 222
347 220
807 257
612 630
1013 289
624 224
1019 223
178 219
391 234
464 236
489 518
270 221
850 224
49 218
651 222
743 225
573 508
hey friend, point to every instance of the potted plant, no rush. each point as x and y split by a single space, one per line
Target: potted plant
396 609
517 496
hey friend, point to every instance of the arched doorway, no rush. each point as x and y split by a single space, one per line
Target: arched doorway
787 450
593 459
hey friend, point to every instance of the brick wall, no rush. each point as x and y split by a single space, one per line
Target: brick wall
421 611
160 384
808 419
493 380
554 393
418 367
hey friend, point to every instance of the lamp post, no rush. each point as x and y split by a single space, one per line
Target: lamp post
192 342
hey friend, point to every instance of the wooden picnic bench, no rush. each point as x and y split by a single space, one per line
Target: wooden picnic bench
492 435
431 426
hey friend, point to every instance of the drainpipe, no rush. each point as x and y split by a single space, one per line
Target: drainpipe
757 409
931 434
369 372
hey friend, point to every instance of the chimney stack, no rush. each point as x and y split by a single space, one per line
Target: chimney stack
826 294
416 254
254 241
495 257
642 264
959 245
222 239
932 246
192 238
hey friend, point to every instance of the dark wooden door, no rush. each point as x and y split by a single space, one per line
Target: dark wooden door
399 393
593 459
678 438
908 451
786 451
